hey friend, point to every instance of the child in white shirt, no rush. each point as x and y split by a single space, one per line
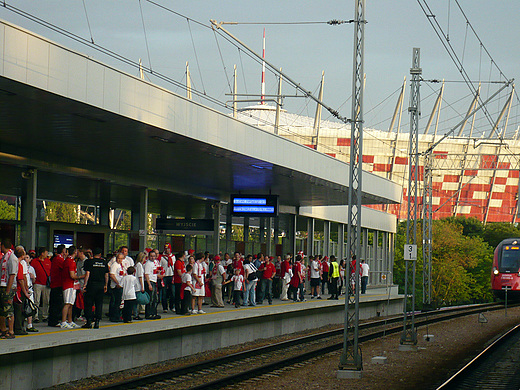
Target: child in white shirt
238 282
130 284
186 288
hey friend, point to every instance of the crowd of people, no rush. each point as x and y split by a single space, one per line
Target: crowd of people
70 285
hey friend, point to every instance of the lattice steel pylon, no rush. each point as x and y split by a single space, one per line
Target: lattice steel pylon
427 231
409 335
351 359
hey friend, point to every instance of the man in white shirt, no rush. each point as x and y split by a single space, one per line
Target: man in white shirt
167 264
151 276
116 276
315 278
365 269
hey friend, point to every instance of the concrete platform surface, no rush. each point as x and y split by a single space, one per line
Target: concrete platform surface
55 356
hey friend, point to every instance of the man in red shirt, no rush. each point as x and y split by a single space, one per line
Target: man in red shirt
325 275
56 297
42 289
267 280
178 270
70 284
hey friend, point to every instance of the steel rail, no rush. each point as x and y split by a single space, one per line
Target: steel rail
145 380
456 380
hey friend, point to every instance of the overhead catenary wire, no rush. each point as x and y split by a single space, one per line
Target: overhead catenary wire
88 21
145 37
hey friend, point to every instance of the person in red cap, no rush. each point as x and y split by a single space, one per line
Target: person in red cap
167 263
218 276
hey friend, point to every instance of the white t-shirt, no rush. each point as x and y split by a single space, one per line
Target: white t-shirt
364 269
127 262
139 273
315 270
130 284
118 272
164 263
238 282
9 267
150 269
186 278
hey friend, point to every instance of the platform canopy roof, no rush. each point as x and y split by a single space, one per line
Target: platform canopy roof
84 125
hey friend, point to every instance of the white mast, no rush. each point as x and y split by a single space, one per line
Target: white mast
263 70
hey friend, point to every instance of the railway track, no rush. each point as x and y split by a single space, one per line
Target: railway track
246 365
497 367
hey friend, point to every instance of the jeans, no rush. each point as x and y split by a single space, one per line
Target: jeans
151 308
114 309
364 282
167 293
250 293
267 286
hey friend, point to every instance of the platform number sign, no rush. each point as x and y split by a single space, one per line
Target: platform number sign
410 252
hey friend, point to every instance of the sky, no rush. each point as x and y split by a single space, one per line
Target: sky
303 51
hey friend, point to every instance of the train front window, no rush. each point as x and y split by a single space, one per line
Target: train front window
510 260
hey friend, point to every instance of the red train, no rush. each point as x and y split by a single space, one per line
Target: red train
505 273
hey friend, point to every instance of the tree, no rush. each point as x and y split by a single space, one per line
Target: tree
458 263
496 232
7 211
61 212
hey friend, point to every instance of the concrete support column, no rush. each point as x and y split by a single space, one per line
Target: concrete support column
326 238
310 236
376 266
140 216
341 241
384 255
246 230
262 229
292 234
29 209
216 229
276 229
208 215
104 204
364 252
229 228
269 248
391 238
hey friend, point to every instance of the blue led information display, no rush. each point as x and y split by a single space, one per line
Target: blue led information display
254 205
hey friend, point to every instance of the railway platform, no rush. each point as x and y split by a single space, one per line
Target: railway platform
53 356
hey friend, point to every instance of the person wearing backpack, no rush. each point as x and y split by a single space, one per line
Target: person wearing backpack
251 280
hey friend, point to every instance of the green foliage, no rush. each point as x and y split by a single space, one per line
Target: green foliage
496 232
7 211
461 260
61 212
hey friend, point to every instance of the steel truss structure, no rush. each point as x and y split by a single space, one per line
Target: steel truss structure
409 335
351 356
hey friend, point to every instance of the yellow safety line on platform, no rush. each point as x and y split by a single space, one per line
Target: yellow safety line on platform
185 316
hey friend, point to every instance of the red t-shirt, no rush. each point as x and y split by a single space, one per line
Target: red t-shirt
297 269
68 265
284 267
269 270
19 277
239 265
56 271
325 266
41 267
179 265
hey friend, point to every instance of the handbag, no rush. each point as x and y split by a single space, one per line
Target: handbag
142 297
252 273
29 308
